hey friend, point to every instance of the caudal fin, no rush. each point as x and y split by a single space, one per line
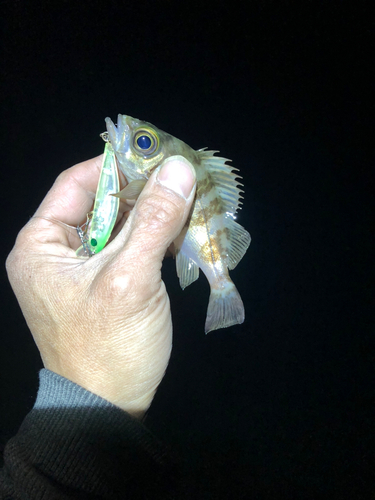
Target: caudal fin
225 308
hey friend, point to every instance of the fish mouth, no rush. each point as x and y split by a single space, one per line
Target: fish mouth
119 135
112 130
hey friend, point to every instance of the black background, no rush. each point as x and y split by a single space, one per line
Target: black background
283 404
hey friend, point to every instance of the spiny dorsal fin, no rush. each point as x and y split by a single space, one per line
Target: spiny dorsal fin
223 178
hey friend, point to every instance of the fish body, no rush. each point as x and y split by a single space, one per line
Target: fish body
211 240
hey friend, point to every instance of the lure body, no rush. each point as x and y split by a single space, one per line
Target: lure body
211 239
102 219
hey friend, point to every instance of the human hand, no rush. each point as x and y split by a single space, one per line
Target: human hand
105 322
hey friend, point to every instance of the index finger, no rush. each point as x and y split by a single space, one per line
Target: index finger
68 202
71 196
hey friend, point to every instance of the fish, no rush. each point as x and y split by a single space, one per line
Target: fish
211 239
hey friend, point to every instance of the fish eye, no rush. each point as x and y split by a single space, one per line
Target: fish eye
145 141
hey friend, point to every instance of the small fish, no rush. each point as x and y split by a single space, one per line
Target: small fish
211 239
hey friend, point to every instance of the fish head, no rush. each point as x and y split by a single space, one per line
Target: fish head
140 147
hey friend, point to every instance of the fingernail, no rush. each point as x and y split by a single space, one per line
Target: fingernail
177 174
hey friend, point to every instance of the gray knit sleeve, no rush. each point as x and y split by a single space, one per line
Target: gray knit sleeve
75 444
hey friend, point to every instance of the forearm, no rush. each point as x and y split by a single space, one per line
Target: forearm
74 444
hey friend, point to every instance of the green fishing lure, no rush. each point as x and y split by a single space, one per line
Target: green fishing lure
95 233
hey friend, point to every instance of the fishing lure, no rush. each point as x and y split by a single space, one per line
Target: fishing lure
98 227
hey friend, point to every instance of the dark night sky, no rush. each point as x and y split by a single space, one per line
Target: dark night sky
282 404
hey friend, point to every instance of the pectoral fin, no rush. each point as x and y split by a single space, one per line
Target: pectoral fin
132 190
187 269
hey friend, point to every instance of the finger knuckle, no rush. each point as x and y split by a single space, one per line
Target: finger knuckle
10 262
113 284
63 176
16 260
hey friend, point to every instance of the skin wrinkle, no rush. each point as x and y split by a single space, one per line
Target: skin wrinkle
61 202
163 213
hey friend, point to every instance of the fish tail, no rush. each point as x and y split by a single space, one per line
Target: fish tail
225 308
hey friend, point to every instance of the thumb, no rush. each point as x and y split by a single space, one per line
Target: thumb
158 218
